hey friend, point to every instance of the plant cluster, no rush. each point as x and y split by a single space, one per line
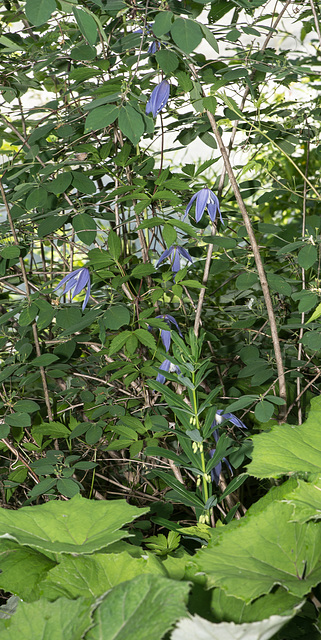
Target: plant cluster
160 318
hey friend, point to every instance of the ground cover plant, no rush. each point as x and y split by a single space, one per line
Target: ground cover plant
160 320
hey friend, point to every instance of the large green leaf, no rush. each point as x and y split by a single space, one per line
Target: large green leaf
306 500
250 557
39 11
101 117
232 609
142 609
200 628
187 34
116 316
22 569
289 449
94 575
76 526
131 123
43 620
86 24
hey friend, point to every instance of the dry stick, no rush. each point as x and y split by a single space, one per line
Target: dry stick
316 22
257 258
300 347
222 178
26 283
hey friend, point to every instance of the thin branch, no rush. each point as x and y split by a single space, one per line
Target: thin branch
34 324
257 257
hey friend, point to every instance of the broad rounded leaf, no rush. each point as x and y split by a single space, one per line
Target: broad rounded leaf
39 11
101 117
187 34
131 123
289 449
76 526
143 608
86 24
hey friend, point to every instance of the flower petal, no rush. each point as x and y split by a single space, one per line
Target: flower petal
163 367
185 254
189 205
201 202
166 338
81 281
165 255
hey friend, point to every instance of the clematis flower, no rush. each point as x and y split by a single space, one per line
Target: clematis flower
173 253
166 334
154 45
219 418
158 98
167 365
78 279
205 198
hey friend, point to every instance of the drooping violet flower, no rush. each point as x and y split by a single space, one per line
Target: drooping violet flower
218 419
205 198
173 253
158 98
168 366
78 279
166 334
221 417
154 45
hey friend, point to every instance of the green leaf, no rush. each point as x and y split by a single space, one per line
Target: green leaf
9 252
143 608
82 576
246 281
44 360
101 117
142 270
39 11
288 449
60 184
116 316
271 550
209 37
278 284
22 569
192 626
312 340
18 419
146 338
307 256
28 406
52 429
85 227
28 315
86 24
42 619
131 123
316 314
167 60
77 526
118 342
114 244
264 411
42 487
68 487
187 497
81 182
50 224
162 23
187 34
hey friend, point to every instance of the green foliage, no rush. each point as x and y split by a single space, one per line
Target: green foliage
178 347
